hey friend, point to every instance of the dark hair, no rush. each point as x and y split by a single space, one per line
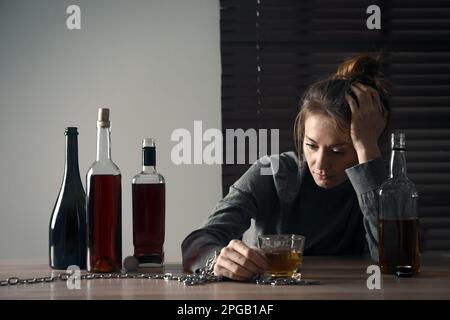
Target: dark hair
327 97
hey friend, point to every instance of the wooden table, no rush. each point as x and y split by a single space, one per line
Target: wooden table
341 278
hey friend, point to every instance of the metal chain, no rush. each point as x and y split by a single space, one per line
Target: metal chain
204 275
276 281
187 280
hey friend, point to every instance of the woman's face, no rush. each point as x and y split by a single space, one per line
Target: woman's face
328 151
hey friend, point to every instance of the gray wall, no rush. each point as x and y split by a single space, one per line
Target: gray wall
154 63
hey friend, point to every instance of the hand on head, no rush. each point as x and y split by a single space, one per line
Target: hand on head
369 119
237 261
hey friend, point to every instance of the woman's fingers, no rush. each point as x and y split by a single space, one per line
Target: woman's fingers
362 94
261 254
378 108
372 96
351 103
237 261
375 98
225 266
257 258
380 105
242 261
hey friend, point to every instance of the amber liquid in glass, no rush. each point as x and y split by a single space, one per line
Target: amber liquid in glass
283 263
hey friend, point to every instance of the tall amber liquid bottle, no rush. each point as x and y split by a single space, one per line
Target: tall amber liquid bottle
104 204
398 220
149 195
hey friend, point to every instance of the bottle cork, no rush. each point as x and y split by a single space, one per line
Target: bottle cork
103 118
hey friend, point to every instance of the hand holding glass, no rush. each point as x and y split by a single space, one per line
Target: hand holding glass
284 254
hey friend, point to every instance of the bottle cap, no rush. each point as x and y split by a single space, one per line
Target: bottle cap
148 142
398 141
103 118
71 130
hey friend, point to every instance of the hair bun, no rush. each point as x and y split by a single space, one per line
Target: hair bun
364 68
360 66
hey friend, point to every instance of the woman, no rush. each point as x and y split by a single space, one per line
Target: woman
326 192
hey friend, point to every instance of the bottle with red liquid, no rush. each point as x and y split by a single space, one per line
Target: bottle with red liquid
149 204
104 205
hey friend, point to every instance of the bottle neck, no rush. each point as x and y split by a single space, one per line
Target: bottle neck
149 160
71 168
398 163
103 144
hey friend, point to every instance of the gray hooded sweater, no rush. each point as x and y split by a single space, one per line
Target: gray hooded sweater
340 220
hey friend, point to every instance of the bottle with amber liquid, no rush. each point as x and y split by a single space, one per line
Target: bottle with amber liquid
398 220
148 197
67 231
104 204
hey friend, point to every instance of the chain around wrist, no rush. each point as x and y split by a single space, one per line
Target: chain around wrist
211 262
